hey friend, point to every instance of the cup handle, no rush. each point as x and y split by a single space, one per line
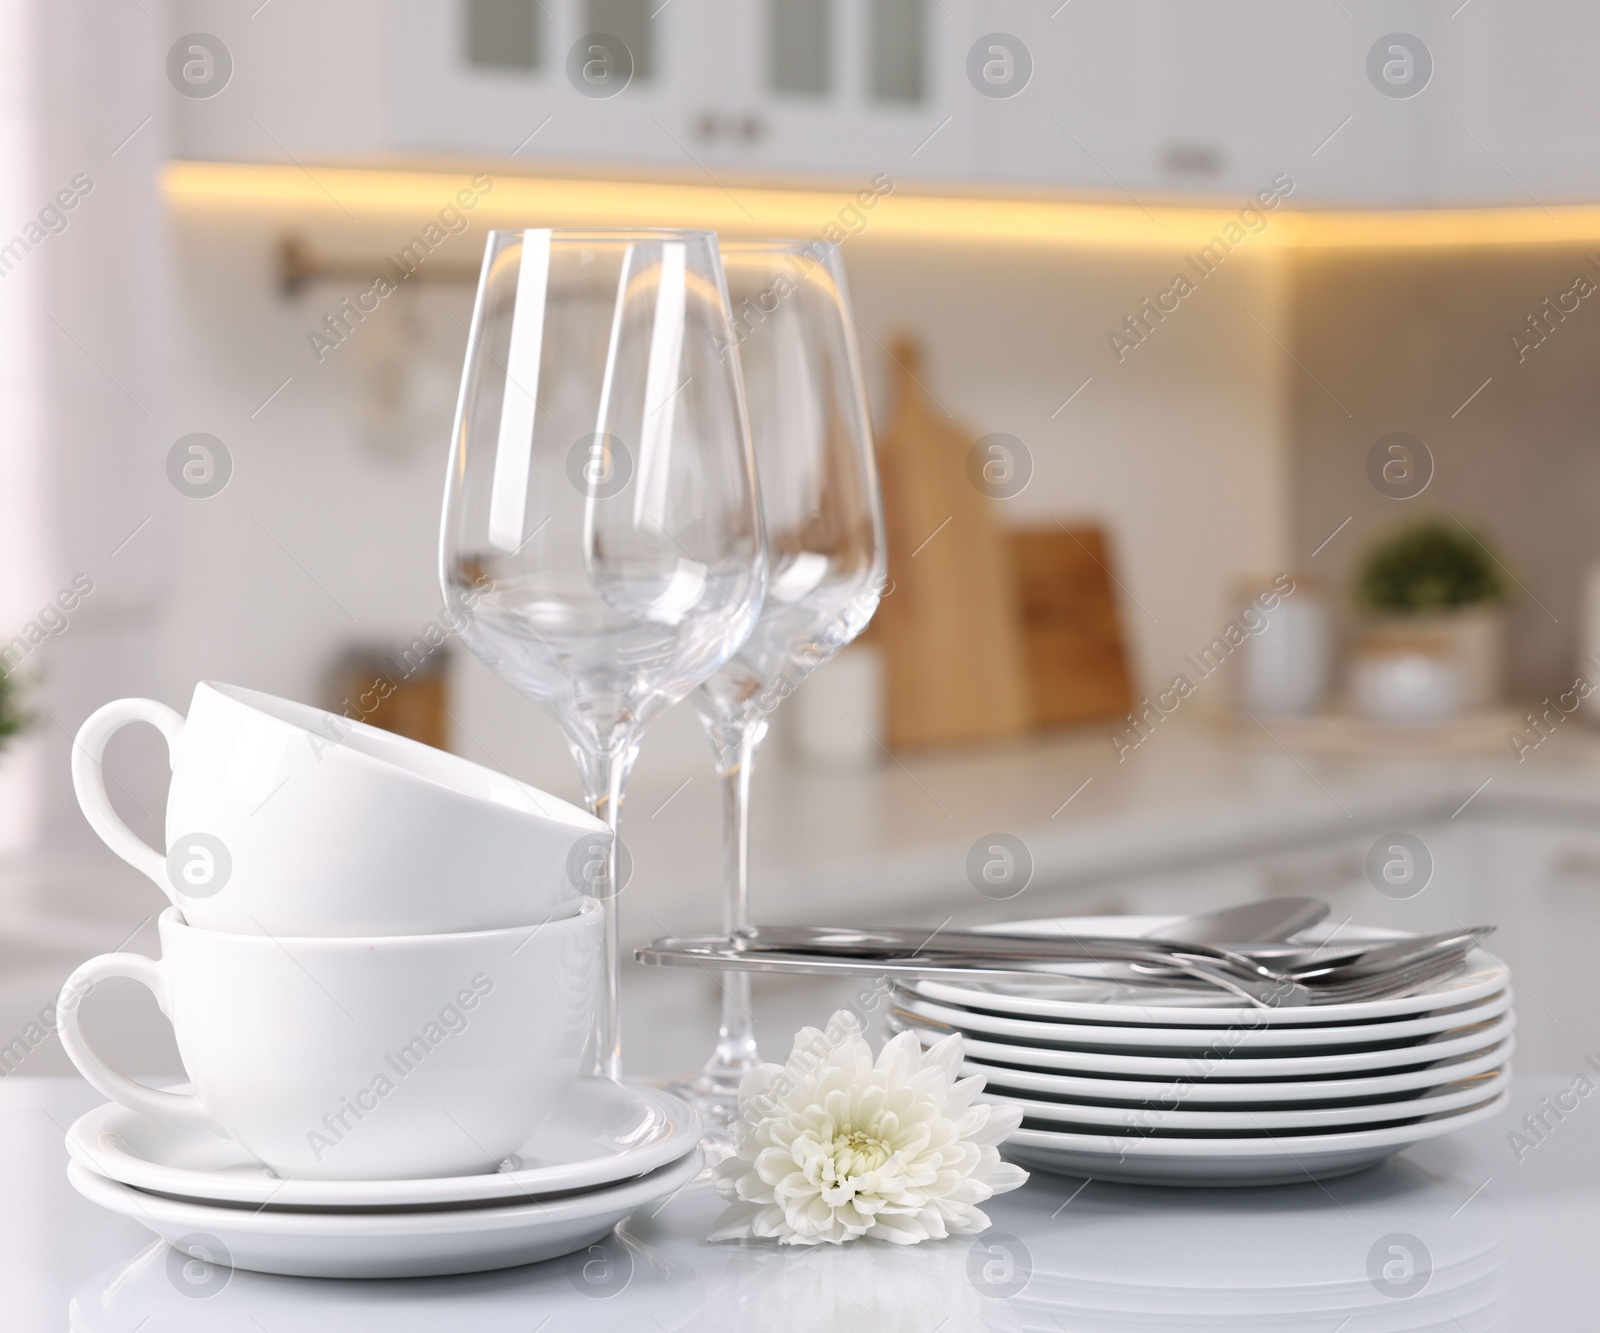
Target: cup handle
118 1087
88 779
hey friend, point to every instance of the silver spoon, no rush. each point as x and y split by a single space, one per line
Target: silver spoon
1265 921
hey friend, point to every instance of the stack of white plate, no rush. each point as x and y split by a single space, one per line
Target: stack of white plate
1181 1087
608 1150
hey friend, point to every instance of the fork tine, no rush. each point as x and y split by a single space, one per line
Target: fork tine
1342 976
1394 982
1407 980
1391 983
1364 968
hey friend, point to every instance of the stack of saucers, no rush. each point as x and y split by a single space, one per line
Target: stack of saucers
608 1150
1177 1087
382 971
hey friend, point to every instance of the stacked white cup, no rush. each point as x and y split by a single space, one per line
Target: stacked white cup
380 961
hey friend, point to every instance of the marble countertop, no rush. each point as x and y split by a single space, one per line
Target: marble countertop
1497 1242
896 835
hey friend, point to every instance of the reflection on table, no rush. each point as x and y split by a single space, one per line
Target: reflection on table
1395 1248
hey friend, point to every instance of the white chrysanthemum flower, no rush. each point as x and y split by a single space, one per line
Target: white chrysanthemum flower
835 1145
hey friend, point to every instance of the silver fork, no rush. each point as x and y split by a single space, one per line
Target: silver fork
1375 969
717 953
1412 977
1402 981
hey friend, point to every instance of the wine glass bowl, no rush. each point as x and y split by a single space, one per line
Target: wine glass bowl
599 509
818 480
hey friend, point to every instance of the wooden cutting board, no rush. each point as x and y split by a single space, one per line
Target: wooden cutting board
948 624
1072 644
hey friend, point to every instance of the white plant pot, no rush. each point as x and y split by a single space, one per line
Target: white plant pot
1470 638
1405 689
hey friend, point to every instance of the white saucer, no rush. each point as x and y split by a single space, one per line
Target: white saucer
602 1133
1225 1161
1460 1096
1438 1047
394 1244
1260 1092
1263 1039
1098 1000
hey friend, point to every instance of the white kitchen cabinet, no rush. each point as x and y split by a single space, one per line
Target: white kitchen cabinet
1518 103
1156 99
1546 900
1456 892
1143 99
833 90
305 81
1197 889
738 86
1089 115
515 79
1247 93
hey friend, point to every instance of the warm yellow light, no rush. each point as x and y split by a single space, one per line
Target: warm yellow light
387 197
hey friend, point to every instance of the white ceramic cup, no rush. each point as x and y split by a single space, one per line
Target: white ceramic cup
287 820
392 1058
1285 666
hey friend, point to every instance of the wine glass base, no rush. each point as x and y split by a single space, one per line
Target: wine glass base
717 1101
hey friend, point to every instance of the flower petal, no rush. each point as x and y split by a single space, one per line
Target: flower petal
946 1054
1007 1176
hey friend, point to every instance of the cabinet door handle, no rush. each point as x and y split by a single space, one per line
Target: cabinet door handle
712 126
1574 864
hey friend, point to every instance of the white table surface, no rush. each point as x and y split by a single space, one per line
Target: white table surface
1510 1246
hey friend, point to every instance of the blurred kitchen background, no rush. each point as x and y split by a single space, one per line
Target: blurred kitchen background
1255 346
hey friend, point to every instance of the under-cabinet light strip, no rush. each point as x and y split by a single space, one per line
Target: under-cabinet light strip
384 198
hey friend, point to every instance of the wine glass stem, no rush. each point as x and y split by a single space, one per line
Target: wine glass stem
736 1042
603 779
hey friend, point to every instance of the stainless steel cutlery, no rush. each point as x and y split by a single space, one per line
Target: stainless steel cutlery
851 957
1264 920
1266 975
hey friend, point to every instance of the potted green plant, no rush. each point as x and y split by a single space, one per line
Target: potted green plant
13 718
1436 581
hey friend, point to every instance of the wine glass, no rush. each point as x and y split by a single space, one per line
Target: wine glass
825 557
601 545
